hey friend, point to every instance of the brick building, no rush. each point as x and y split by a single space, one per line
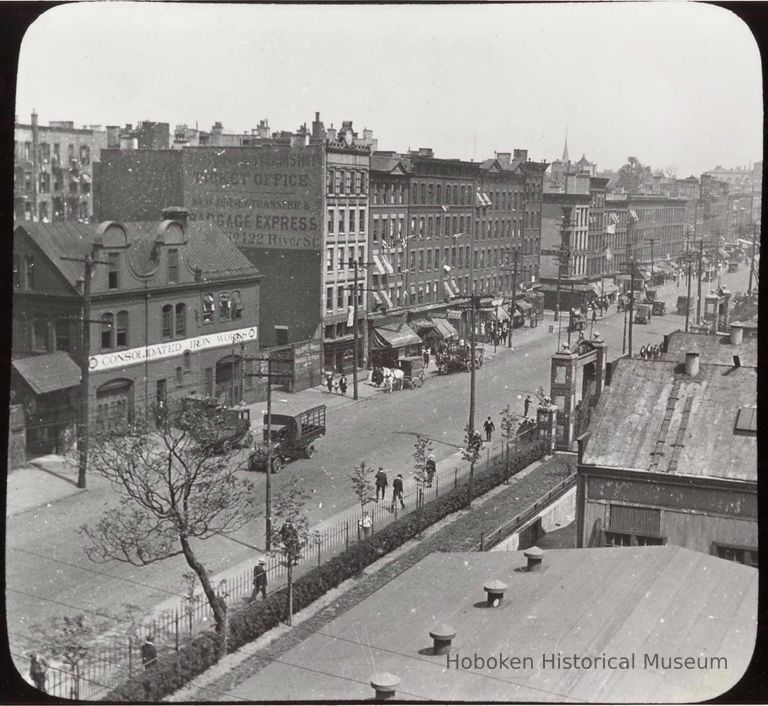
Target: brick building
174 310
53 170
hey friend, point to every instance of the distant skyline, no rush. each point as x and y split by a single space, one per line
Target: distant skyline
674 84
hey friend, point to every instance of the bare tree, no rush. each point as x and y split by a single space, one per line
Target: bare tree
293 535
175 491
471 453
510 423
362 485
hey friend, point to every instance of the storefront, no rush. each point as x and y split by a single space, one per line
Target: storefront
389 342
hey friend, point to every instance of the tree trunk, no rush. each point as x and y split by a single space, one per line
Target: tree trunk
218 605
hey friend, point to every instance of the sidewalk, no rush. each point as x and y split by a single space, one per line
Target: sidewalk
43 481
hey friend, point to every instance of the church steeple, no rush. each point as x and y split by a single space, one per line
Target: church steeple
565 149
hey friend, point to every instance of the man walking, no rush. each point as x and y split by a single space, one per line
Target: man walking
489 427
343 384
526 405
397 491
381 484
259 580
38 670
148 652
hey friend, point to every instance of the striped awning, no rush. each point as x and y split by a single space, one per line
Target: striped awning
394 336
444 328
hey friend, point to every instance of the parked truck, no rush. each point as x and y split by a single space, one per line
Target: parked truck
292 437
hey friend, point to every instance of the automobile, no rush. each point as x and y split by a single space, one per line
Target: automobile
291 436
413 371
658 308
643 314
233 424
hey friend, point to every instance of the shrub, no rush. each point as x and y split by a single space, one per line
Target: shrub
250 622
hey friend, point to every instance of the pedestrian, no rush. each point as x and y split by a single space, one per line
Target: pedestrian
366 524
489 427
381 484
431 468
259 580
526 405
594 314
397 491
329 381
642 353
38 670
389 380
343 384
148 652
425 357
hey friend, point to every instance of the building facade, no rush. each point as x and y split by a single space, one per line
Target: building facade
53 170
173 311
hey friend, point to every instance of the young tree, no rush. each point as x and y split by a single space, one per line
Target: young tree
293 536
422 448
363 485
510 423
471 453
175 490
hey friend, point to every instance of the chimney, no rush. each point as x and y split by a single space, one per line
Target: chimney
737 334
176 213
535 556
692 364
318 129
504 158
521 155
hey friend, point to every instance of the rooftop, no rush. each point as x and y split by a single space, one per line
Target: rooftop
664 601
714 349
655 417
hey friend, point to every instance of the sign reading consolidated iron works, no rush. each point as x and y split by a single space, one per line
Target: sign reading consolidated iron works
263 197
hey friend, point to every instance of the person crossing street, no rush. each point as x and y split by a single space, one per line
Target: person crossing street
489 427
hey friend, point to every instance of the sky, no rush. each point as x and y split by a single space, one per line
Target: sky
677 85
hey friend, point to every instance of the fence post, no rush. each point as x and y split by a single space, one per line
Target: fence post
176 625
455 477
437 485
482 543
488 457
318 551
346 532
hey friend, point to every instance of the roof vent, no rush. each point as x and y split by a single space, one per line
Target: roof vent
535 557
495 593
692 364
385 684
441 636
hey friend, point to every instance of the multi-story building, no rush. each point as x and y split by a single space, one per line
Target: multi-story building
173 310
286 201
616 216
533 208
597 263
656 228
713 213
53 170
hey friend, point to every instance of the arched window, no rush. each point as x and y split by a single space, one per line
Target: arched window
237 305
167 321
122 329
224 308
181 320
187 360
208 308
107 327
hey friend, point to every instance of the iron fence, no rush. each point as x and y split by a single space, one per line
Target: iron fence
116 657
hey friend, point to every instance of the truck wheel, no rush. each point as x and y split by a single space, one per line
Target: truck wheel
226 447
277 464
310 450
248 441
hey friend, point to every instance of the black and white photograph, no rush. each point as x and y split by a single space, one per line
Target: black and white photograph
364 352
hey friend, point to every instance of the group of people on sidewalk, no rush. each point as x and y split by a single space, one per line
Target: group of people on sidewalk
650 352
335 384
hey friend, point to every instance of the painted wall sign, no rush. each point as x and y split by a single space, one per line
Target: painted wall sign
158 351
265 197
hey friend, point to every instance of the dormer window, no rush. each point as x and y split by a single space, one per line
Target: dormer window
173 265
113 274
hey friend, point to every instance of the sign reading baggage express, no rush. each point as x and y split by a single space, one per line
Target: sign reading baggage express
263 197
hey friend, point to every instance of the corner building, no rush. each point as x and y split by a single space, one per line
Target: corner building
174 311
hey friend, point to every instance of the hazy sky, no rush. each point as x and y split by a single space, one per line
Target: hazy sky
675 84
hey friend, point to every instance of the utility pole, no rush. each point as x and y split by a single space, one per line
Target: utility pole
688 299
514 294
566 222
85 350
570 315
631 301
354 330
652 241
752 259
698 291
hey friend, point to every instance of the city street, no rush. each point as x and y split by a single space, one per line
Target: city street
48 574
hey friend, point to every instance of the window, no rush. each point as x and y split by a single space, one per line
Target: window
348 182
329 298
630 525
208 382
167 321
361 220
224 306
63 341
363 183
179 376
181 320
341 220
737 553
429 261
122 329
421 261
173 265
281 335
329 259
107 326
30 270
40 333
331 181
17 271
341 259
113 273
237 304
45 182
340 298
352 228
330 220
208 308
187 360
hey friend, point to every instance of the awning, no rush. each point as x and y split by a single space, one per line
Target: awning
421 324
387 300
524 307
48 373
722 253
501 314
387 264
453 314
643 274
394 336
444 328
609 288
377 298
379 265
448 290
455 286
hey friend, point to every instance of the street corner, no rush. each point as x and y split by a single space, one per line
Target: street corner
39 484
